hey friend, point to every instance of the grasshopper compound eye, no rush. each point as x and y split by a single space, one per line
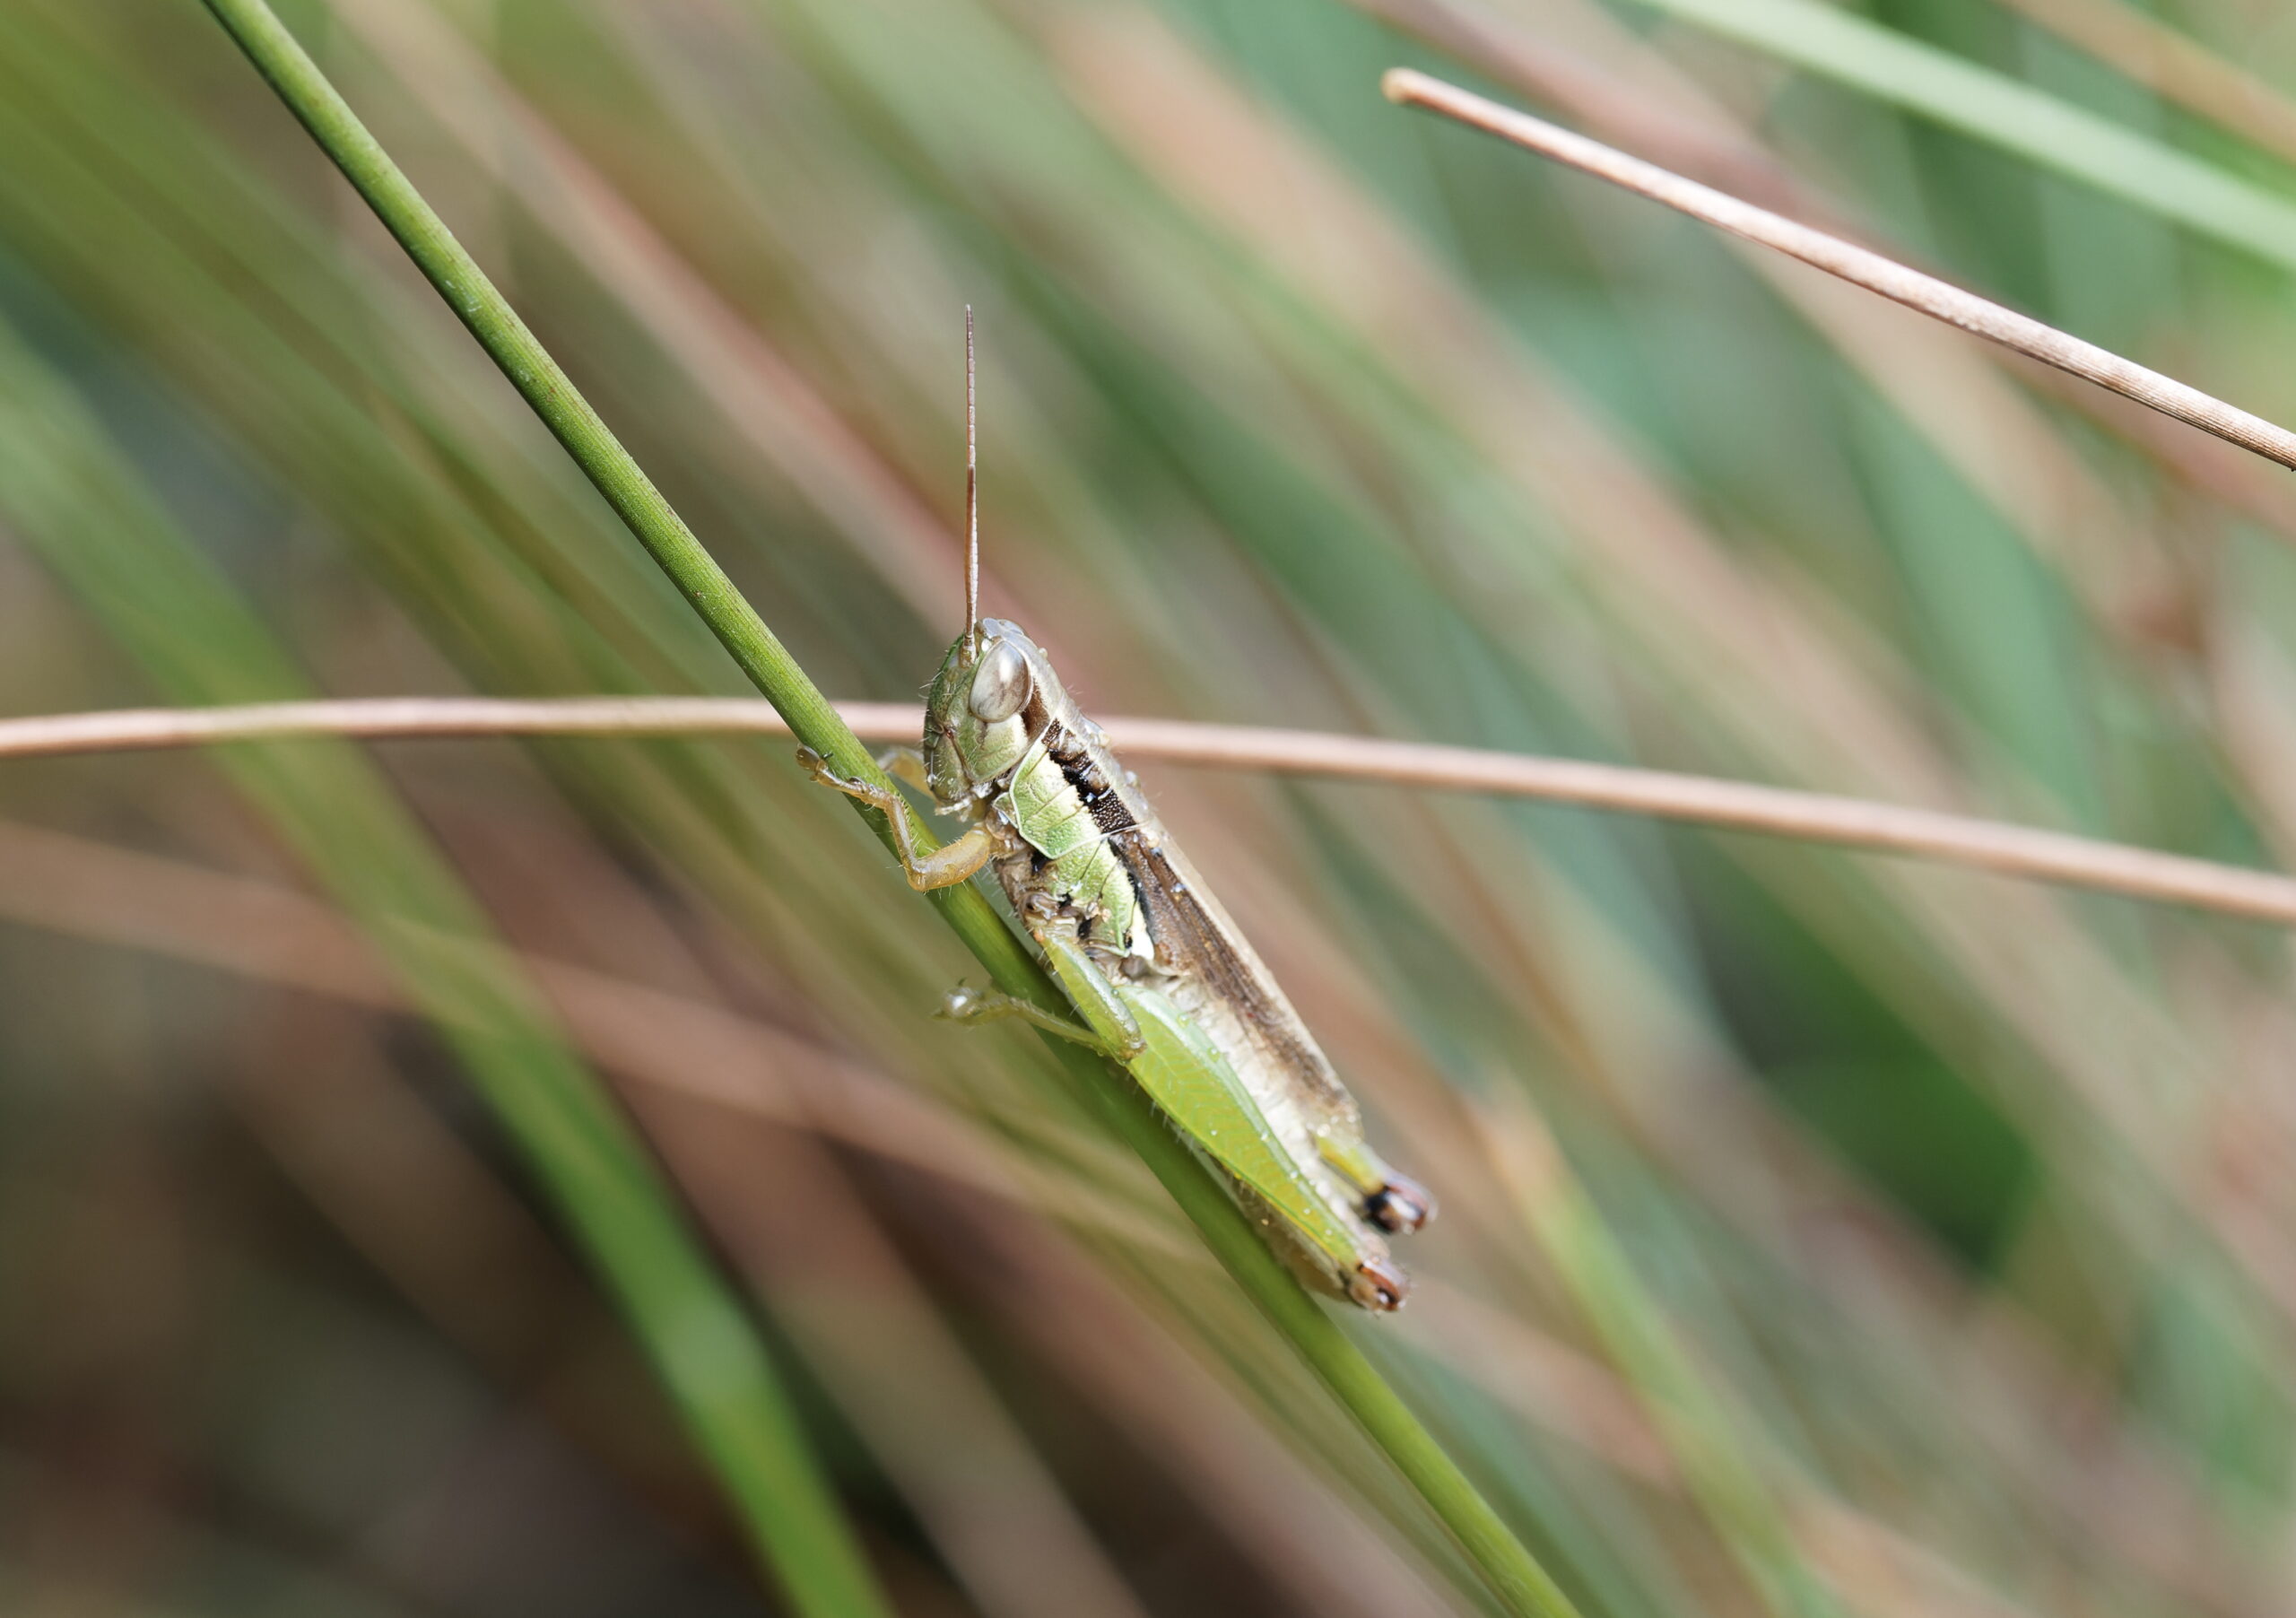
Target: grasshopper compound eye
1400 1207
1001 686
1377 1285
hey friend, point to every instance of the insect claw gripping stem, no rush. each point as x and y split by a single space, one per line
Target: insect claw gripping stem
823 771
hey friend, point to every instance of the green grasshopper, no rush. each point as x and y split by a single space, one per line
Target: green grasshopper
1157 975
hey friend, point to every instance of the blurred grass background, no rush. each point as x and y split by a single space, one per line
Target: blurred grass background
1954 1210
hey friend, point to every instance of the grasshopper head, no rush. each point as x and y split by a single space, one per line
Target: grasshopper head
983 709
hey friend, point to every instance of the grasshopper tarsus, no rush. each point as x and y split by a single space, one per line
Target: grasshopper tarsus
1400 1207
825 773
884 800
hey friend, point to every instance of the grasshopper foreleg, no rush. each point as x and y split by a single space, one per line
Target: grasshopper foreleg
942 867
907 766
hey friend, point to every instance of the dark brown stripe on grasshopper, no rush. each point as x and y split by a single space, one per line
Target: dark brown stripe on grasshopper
1189 939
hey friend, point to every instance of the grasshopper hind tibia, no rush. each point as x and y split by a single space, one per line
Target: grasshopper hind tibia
1400 1207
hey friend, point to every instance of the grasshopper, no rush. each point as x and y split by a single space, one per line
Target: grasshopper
1157 974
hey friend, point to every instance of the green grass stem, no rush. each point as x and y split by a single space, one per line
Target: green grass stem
1513 1574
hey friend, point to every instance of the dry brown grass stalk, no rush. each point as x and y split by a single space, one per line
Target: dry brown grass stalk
1736 805
1861 266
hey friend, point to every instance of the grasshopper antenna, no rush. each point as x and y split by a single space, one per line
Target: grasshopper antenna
973 505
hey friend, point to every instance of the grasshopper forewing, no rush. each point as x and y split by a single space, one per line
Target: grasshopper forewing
1157 973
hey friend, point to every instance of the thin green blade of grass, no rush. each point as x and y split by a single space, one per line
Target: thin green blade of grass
83 511
1989 106
1514 1575
1714 1455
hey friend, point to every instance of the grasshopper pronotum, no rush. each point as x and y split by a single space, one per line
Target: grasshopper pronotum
1157 975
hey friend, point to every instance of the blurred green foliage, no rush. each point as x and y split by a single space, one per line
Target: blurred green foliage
1920 1246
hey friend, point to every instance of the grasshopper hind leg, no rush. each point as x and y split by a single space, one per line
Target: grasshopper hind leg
1091 992
1394 1203
1400 1207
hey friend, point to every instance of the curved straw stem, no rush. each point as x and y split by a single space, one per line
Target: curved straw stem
1702 800
1861 266
1514 1575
